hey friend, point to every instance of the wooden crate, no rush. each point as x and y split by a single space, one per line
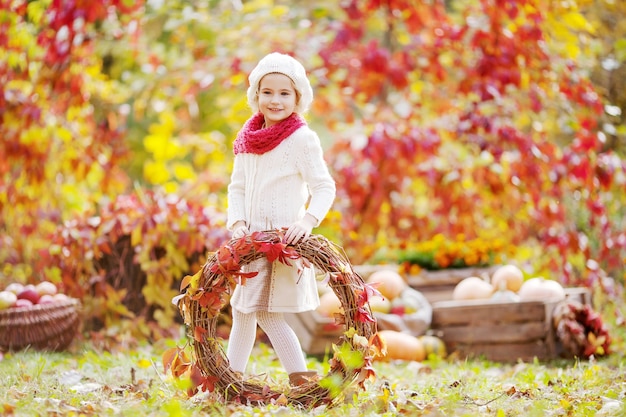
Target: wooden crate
317 333
438 285
434 285
501 332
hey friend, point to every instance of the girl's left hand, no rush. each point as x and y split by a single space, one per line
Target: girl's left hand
300 229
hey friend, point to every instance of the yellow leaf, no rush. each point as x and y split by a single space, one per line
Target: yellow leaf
576 21
16 61
154 142
237 79
403 38
144 363
135 236
184 171
446 59
278 11
36 10
155 172
572 50
171 187
255 5
166 125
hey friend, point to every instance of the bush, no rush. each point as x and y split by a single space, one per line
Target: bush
126 262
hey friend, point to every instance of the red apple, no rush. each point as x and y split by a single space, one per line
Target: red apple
29 293
22 302
398 310
15 288
46 287
7 299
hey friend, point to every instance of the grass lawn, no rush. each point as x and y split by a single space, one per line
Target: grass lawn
129 381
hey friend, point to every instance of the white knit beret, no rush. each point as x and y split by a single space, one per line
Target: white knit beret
282 64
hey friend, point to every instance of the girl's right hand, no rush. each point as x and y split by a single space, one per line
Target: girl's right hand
239 230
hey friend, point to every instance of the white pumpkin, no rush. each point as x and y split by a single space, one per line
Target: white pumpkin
472 288
507 277
539 288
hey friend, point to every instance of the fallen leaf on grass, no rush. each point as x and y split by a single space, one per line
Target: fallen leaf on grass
144 363
72 377
282 400
86 387
7 409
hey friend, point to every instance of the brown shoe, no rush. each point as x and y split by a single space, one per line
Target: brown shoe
299 378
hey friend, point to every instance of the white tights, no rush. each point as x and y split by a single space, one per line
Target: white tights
281 335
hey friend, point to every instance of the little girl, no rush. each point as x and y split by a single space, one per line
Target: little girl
279 180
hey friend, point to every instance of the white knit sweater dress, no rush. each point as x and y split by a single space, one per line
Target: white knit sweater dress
271 191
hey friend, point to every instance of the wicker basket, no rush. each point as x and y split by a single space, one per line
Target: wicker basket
41 326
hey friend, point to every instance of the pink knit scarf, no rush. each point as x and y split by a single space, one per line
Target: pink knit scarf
253 138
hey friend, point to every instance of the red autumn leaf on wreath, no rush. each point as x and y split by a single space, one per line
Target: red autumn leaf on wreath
242 247
289 253
198 380
217 284
367 373
190 280
364 295
362 315
245 276
271 250
198 333
377 345
185 282
210 300
290 256
226 261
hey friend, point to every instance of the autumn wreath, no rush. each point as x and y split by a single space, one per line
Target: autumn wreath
204 294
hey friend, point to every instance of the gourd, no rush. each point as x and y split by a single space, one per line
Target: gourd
503 294
539 288
390 283
433 346
511 275
472 288
402 346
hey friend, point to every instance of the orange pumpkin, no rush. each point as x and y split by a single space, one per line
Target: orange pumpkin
390 283
402 346
507 277
472 288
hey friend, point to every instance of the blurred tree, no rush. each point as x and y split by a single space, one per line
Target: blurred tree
473 118
61 145
608 37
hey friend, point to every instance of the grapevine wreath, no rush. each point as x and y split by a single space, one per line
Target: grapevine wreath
204 294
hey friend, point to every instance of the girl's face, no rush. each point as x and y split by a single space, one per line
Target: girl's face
277 98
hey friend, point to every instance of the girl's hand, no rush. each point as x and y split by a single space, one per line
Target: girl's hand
240 229
300 229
